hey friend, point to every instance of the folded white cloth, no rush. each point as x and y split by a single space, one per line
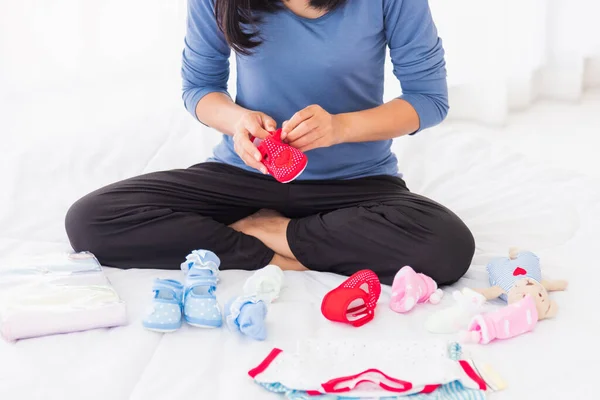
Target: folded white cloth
59 294
457 317
265 283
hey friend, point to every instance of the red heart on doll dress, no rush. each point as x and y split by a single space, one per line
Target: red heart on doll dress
519 271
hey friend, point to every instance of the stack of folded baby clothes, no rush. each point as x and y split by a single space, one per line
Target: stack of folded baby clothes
355 369
57 293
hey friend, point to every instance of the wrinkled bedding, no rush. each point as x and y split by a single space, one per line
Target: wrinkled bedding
72 147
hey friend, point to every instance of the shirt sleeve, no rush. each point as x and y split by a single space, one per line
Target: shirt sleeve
205 64
418 59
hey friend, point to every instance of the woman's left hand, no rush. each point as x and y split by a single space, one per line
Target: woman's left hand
313 127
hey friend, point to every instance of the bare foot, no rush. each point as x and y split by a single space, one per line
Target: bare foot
247 225
270 227
287 264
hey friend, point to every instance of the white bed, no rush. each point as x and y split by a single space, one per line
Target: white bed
74 135
503 198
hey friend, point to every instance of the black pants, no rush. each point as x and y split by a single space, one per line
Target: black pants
340 226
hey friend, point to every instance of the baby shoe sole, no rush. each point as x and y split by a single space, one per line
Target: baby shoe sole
204 324
162 330
165 329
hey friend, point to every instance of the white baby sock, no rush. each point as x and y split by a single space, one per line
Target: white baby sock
265 283
457 317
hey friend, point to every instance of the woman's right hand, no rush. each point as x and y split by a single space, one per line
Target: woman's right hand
257 124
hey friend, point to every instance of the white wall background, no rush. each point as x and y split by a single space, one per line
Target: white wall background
502 54
73 66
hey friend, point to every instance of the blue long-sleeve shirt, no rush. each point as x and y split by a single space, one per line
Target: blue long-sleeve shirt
335 61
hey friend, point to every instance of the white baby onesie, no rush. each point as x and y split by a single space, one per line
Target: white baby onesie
380 368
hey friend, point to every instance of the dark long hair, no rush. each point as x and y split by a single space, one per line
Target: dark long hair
238 19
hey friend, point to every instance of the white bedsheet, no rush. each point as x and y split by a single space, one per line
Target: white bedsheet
503 198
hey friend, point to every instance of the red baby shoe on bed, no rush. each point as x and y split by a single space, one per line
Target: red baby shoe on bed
283 161
354 301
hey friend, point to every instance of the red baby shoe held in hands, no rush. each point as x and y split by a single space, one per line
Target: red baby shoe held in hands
354 301
283 161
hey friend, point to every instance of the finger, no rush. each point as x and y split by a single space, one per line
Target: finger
246 145
236 148
240 136
305 140
313 145
269 123
253 155
296 120
301 130
247 151
252 163
283 130
236 144
255 127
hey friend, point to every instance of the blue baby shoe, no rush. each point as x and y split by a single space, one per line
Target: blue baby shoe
200 307
164 314
204 260
246 315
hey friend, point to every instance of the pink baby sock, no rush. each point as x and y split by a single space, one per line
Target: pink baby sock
410 288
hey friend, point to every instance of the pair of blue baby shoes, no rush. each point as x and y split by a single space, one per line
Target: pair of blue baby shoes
195 301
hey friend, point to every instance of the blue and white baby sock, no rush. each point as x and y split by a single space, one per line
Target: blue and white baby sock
196 303
246 314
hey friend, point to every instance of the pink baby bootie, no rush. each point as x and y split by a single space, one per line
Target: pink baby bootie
410 288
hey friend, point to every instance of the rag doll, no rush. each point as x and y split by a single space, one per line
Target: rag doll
518 281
